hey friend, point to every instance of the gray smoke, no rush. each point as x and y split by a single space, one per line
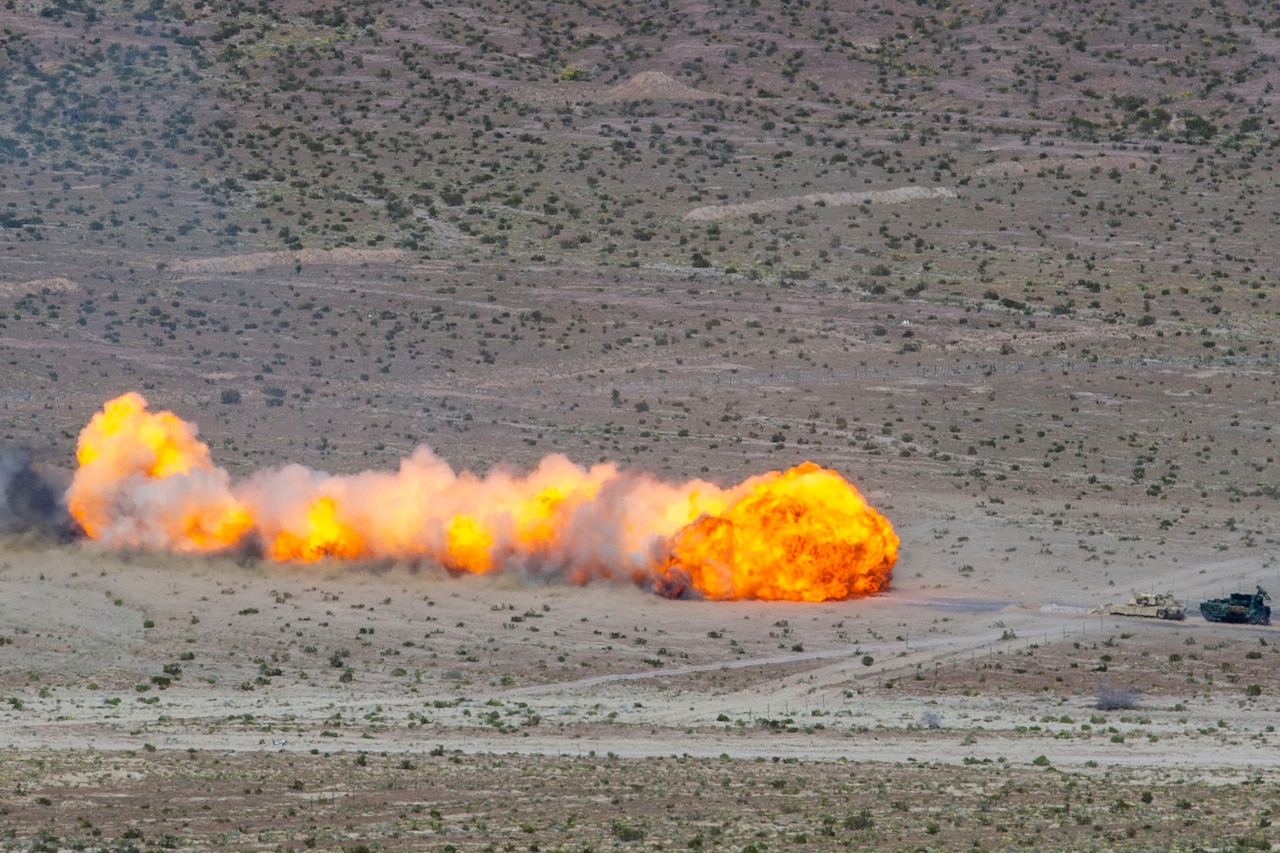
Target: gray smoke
31 496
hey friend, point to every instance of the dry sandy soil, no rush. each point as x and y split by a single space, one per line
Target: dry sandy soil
204 702
1006 267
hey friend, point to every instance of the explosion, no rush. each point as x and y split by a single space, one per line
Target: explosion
146 481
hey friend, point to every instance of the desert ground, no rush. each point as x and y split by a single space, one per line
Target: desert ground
1007 267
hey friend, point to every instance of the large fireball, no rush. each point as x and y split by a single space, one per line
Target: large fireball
803 535
146 481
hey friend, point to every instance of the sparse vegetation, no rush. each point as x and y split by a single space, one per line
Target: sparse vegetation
1010 267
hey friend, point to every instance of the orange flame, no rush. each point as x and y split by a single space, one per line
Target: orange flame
322 535
146 481
469 545
803 535
123 453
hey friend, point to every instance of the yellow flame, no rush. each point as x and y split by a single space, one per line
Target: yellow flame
146 481
323 535
469 545
804 535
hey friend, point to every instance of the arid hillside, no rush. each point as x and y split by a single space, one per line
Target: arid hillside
1009 267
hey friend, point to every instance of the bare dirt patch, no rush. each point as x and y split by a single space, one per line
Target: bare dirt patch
13 289
655 85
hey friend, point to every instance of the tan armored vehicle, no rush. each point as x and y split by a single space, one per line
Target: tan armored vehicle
1152 605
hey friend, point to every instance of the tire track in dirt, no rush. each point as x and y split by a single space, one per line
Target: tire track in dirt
901 195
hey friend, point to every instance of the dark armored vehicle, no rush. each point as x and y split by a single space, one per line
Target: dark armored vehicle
1239 607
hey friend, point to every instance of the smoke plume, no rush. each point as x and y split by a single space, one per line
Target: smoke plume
146 481
31 496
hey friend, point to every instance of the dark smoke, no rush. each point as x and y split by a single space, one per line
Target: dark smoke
673 583
31 497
